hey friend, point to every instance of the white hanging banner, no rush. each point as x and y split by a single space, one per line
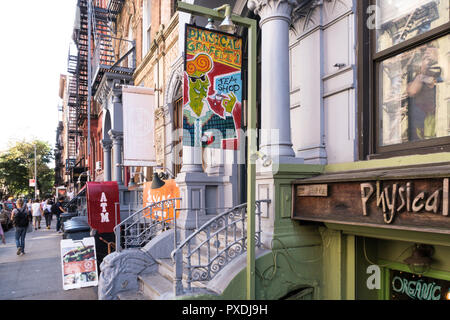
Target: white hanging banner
79 263
138 126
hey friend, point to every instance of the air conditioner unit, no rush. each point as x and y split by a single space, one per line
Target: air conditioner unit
98 165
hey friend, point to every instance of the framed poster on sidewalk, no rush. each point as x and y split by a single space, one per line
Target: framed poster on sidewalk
79 263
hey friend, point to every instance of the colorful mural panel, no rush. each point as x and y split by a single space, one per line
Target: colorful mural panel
212 96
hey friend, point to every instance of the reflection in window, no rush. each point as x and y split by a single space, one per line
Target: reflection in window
414 95
400 20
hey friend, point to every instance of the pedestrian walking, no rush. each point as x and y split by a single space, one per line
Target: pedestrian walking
48 213
2 234
29 204
57 209
36 211
21 218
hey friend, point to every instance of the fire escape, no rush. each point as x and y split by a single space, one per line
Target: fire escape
103 17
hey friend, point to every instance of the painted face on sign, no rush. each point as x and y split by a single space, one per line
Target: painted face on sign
198 90
197 70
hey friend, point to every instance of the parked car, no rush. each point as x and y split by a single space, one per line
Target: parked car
5 217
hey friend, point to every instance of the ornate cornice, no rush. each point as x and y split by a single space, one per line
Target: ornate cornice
305 9
318 13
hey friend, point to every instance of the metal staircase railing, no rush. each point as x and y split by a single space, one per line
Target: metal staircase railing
212 246
140 227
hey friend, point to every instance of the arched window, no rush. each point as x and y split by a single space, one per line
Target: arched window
177 129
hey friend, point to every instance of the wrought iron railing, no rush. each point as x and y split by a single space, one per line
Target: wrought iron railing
140 227
212 246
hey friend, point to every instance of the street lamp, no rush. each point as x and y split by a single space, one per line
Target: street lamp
251 25
227 24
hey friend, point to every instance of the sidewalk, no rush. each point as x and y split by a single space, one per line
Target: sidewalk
37 274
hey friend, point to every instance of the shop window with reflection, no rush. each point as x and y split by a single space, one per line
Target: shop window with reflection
409 65
413 93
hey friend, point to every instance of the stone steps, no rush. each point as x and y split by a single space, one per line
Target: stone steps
153 285
131 295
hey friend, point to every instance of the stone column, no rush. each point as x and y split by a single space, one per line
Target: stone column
275 93
192 159
117 139
106 144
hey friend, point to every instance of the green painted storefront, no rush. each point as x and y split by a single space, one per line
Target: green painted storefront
330 261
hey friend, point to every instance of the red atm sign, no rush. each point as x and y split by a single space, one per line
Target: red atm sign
103 199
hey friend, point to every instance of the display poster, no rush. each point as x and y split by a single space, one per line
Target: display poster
212 89
169 190
102 198
79 263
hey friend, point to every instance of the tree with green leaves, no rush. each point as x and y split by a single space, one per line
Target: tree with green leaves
17 167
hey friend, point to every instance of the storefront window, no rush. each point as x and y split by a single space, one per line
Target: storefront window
403 72
401 20
413 93
409 286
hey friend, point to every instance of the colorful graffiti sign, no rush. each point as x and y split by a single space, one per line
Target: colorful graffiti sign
212 98
169 190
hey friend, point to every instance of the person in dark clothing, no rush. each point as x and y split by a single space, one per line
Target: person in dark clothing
57 209
21 218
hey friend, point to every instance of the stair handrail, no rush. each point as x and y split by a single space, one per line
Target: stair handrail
221 258
151 222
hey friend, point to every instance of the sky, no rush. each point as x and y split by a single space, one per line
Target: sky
35 37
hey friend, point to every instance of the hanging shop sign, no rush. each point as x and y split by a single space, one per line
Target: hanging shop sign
70 163
212 90
409 286
103 205
169 190
79 263
138 126
415 204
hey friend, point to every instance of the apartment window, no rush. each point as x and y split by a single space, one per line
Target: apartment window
405 84
129 47
146 27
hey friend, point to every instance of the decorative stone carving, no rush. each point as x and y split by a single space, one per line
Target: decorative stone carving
269 9
120 270
334 8
175 78
106 144
315 13
116 136
117 92
159 136
307 16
